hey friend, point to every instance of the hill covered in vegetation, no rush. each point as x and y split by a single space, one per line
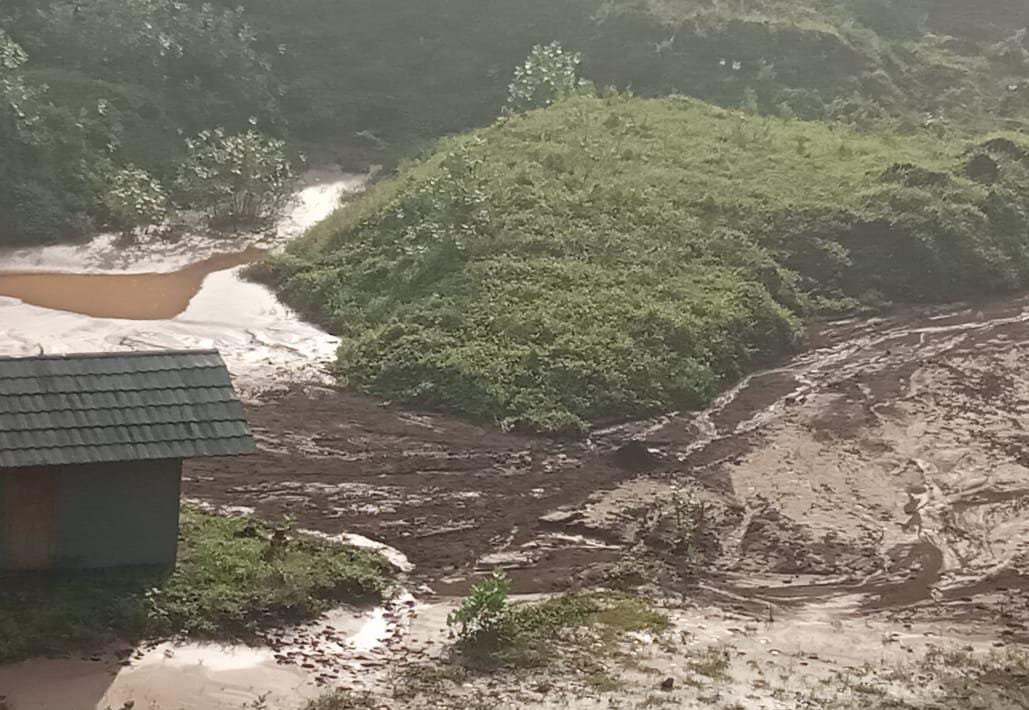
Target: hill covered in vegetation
615 257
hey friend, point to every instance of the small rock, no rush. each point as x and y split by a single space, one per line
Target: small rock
668 684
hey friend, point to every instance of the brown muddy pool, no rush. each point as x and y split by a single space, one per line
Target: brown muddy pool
143 296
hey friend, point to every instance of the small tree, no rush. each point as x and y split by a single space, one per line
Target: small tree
242 179
548 74
484 614
134 200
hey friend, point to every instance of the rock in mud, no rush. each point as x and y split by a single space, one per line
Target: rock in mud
982 168
635 456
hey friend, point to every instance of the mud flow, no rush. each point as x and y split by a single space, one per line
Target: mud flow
146 296
884 469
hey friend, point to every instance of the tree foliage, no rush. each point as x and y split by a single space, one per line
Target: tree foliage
548 74
134 200
240 179
93 92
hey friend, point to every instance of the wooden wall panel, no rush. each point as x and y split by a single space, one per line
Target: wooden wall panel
30 519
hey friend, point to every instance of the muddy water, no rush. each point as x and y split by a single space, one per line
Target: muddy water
104 297
297 665
146 296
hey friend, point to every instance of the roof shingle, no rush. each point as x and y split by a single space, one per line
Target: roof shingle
80 409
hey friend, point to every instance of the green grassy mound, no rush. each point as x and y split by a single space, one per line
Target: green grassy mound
230 583
616 257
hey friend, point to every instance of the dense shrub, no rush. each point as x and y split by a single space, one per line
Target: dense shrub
240 179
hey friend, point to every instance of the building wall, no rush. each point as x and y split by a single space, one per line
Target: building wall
107 515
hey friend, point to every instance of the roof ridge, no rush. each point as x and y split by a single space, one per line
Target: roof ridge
100 355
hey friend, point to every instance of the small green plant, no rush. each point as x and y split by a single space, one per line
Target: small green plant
548 74
484 615
342 700
134 200
687 514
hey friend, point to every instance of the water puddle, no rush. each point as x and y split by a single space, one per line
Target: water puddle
107 297
146 296
346 648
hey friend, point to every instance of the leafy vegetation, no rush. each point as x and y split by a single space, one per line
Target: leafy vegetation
616 257
234 577
101 92
484 613
343 700
550 73
492 631
243 179
134 200
111 84
870 62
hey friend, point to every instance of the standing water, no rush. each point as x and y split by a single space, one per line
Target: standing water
104 297
148 296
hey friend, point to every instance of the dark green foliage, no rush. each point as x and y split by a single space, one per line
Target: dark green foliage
612 258
386 76
377 80
231 580
106 84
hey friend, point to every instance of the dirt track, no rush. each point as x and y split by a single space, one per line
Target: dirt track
886 465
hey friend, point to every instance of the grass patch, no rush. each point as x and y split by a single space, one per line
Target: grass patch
714 663
611 258
232 580
343 700
946 680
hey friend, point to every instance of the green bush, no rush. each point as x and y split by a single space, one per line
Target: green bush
134 200
484 615
550 73
244 179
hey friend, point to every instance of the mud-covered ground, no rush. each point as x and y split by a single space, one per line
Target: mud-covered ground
886 465
851 525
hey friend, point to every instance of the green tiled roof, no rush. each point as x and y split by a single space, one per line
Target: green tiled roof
118 407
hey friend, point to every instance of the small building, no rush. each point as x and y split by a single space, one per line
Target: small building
91 451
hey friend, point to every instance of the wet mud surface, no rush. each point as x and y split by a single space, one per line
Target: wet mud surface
886 466
878 482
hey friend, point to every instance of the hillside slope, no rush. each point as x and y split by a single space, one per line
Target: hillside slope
610 258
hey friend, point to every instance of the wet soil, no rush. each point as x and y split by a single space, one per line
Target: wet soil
146 296
886 464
